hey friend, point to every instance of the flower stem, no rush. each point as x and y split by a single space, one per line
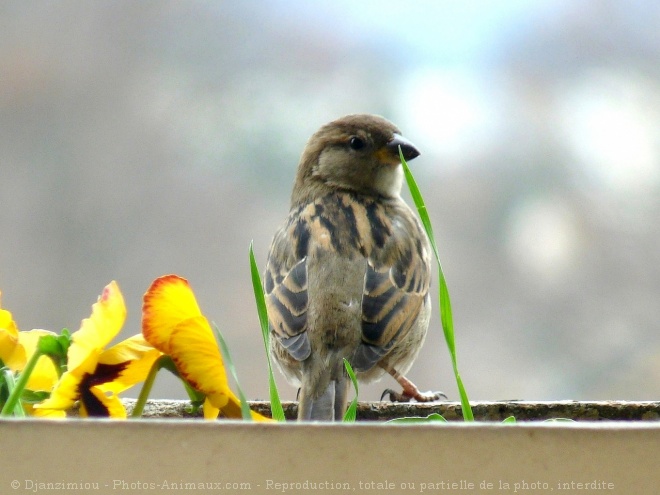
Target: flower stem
13 405
161 362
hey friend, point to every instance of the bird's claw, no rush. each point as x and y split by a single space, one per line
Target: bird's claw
403 396
394 396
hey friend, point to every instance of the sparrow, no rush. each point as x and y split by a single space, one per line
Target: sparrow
348 273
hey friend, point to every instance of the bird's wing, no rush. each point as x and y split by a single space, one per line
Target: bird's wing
396 284
285 283
396 280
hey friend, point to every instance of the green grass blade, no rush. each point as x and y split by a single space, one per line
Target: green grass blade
13 405
431 418
17 408
245 407
445 302
275 404
351 412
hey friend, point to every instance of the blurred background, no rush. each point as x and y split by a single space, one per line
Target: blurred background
145 138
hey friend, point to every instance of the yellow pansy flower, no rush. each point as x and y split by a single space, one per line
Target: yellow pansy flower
17 347
173 323
95 375
11 354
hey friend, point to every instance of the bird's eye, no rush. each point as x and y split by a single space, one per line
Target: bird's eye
356 143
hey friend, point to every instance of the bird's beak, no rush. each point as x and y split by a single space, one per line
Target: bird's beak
409 150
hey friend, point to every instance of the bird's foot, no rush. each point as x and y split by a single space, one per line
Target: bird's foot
410 391
404 396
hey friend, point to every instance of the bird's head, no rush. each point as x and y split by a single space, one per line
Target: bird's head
357 153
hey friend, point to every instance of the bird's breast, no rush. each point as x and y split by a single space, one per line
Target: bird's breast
345 224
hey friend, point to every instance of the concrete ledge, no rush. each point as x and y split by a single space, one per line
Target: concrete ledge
193 456
483 411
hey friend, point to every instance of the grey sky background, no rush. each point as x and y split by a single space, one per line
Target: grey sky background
145 138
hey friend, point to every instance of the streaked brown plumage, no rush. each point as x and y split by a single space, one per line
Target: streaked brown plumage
348 274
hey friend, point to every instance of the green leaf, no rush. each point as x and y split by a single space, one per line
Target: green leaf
4 392
245 407
351 412
64 339
276 410
445 302
431 418
509 420
56 347
49 345
33 396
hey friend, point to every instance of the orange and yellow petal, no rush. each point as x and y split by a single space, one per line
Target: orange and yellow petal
65 394
46 413
259 417
168 301
132 358
11 354
7 321
67 390
130 349
210 411
233 410
107 318
173 323
197 357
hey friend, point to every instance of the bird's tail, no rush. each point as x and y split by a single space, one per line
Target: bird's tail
329 406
